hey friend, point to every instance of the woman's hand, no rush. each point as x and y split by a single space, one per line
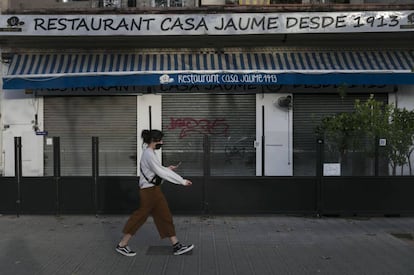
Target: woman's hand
188 183
173 167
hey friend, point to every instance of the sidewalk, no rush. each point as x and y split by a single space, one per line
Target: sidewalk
224 245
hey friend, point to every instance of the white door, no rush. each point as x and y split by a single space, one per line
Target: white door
274 112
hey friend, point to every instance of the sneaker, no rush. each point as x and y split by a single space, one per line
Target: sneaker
182 249
125 250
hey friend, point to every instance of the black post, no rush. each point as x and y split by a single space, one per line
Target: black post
319 175
263 140
95 170
18 170
150 117
376 160
206 170
56 170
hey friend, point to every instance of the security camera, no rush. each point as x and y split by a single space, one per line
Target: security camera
285 101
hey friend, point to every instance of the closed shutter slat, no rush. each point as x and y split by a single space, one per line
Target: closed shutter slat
76 119
230 122
309 109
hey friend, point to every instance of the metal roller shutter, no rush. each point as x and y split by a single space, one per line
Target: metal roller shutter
230 122
308 110
76 119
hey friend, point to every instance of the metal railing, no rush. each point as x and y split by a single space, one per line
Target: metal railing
113 3
135 3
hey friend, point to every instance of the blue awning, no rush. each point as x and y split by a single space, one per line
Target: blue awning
70 70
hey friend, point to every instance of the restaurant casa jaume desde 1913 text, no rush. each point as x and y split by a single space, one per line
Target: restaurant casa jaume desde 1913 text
207 24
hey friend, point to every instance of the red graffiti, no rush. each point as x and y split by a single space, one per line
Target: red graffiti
190 125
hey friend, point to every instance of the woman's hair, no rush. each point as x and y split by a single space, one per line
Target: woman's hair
149 136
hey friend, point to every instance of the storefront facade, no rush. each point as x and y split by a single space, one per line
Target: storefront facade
240 119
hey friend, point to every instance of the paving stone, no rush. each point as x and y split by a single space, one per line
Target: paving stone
239 245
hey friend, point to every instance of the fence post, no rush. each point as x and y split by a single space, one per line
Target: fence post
56 171
18 170
319 175
206 171
263 141
376 158
95 171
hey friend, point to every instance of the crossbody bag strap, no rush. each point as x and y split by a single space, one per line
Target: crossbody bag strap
156 180
142 172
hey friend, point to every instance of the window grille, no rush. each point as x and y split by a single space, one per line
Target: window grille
113 3
167 3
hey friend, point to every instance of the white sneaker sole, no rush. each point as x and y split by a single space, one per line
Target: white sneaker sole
188 249
125 254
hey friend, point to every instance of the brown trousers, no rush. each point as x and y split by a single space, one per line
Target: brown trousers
152 202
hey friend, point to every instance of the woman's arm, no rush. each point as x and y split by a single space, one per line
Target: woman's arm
164 172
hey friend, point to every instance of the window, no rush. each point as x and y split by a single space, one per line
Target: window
254 2
167 3
113 3
67 1
285 1
110 3
329 1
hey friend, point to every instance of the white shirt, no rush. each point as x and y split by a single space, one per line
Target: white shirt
150 165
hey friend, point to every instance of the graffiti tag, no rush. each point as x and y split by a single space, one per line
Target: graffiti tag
189 125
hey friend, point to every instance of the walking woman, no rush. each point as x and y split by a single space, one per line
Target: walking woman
152 200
